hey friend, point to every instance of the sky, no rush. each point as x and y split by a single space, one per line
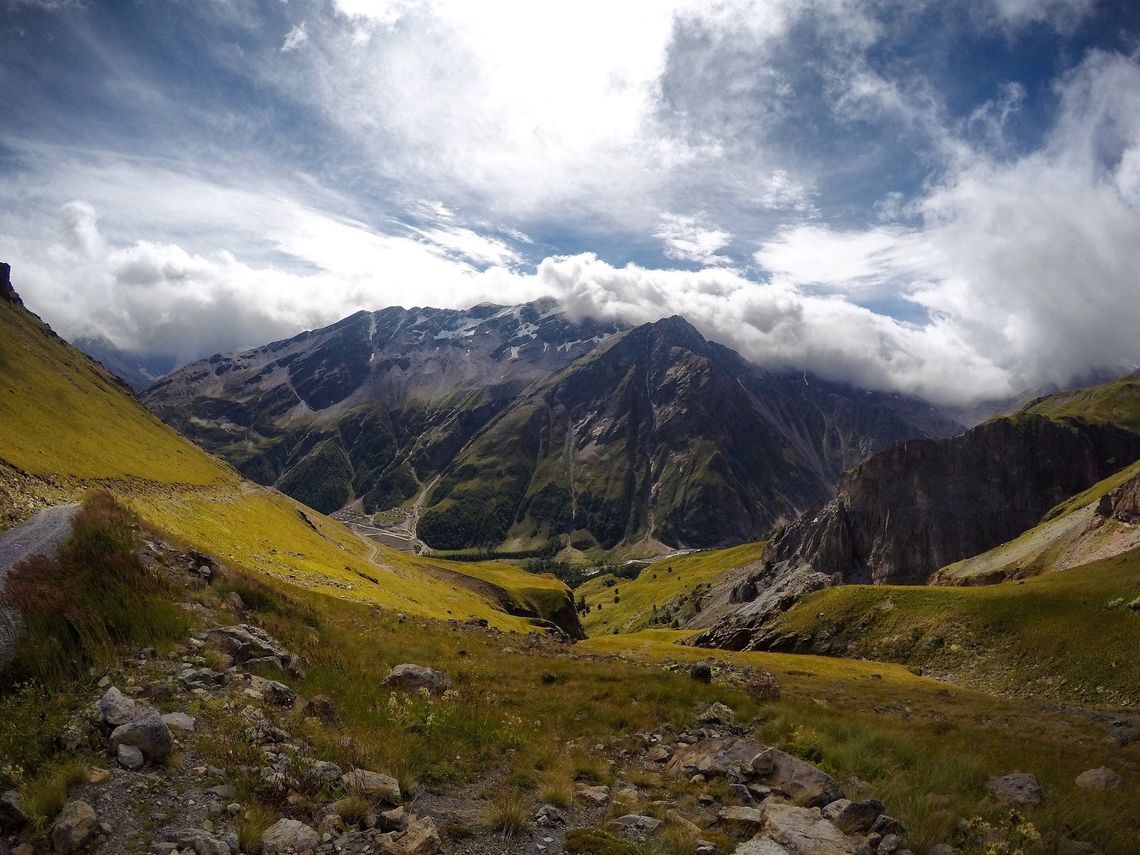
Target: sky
934 197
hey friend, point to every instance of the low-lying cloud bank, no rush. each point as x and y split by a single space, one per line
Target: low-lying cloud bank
1014 272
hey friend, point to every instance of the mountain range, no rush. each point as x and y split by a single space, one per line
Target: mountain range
521 428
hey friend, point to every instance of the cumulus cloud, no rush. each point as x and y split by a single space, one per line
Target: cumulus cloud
692 239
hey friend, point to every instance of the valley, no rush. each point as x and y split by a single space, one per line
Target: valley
1011 649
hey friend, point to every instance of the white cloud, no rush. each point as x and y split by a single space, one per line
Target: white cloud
692 239
295 38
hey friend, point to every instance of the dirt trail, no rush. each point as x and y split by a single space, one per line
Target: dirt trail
41 535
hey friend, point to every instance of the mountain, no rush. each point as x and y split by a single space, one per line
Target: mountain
925 504
661 434
369 406
516 426
70 426
138 371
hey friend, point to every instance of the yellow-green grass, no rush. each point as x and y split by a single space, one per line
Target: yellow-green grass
521 716
261 530
65 418
656 586
1117 402
61 415
925 747
1065 538
1063 635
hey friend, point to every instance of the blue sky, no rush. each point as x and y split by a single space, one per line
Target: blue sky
937 198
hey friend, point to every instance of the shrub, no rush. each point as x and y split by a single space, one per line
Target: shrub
45 795
81 605
252 825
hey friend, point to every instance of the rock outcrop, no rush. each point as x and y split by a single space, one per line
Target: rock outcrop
923 504
7 292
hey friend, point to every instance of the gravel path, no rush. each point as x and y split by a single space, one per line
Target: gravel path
41 535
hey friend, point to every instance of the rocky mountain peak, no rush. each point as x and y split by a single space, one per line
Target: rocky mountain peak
7 292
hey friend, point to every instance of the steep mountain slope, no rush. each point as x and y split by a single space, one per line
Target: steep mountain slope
659 434
372 405
923 505
68 425
1099 523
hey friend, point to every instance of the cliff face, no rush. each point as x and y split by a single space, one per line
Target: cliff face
921 505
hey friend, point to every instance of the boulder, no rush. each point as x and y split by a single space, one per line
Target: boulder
278 693
322 707
288 835
323 772
598 795
658 754
1017 789
421 838
1101 778
373 784
409 677
742 814
116 709
244 643
149 734
194 840
743 760
853 817
129 757
759 846
179 721
701 672
763 686
804 831
12 816
74 827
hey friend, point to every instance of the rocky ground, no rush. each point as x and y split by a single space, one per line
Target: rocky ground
182 736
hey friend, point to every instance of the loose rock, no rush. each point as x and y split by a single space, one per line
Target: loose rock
75 825
410 677
1017 789
1101 778
288 835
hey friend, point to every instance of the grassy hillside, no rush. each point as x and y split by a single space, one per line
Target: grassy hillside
1071 534
68 425
61 415
1064 635
662 584
1117 402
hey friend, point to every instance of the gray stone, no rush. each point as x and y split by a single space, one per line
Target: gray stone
742 760
637 827
179 721
853 817
742 814
717 713
658 754
889 845
884 825
701 672
383 787
598 795
1017 789
12 816
115 708
74 827
199 841
149 734
549 816
1101 778
278 693
244 643
804 831
759 846
395 819
323 772
288 835
129 757
411 677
